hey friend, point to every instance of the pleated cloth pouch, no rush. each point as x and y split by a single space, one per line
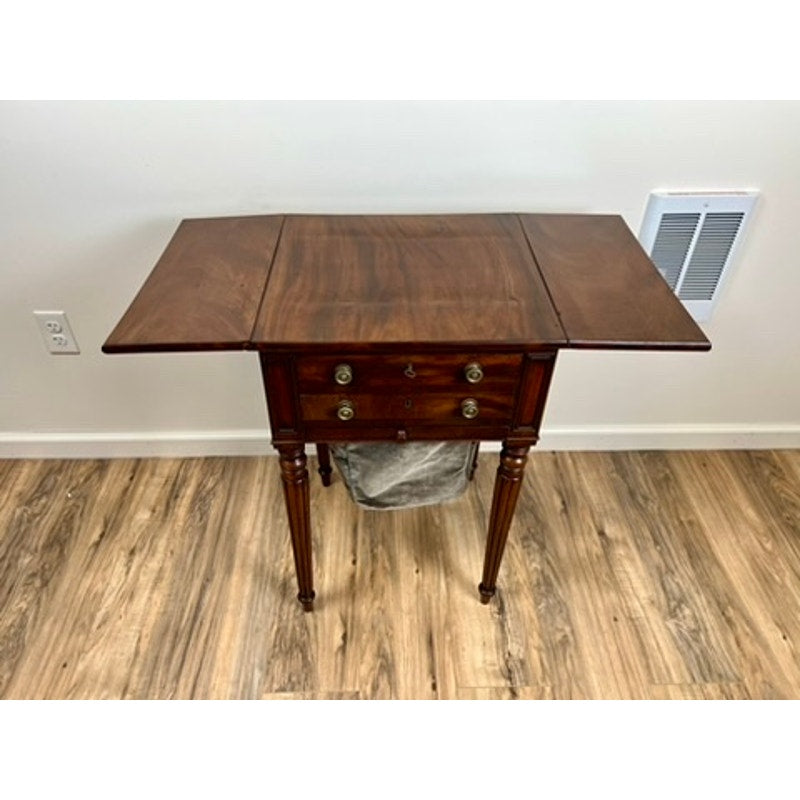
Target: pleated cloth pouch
389 476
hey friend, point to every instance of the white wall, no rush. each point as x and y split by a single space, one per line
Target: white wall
91 192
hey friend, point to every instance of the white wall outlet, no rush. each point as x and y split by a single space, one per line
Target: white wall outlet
56 332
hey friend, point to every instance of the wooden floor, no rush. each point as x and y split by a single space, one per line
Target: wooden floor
626 575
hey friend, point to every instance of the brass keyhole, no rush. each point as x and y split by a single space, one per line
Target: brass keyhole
407 403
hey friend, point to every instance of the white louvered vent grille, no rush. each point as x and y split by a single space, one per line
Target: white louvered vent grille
674 236
710 254
691 238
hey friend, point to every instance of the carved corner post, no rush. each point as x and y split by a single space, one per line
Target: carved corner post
506 490
295 491
537 370
324 459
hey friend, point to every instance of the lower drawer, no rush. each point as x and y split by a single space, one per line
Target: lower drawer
430 408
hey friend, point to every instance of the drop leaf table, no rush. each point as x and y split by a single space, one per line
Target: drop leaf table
404 328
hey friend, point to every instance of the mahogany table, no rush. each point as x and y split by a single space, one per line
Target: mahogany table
401 328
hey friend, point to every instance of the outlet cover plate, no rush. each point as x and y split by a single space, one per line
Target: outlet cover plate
56 332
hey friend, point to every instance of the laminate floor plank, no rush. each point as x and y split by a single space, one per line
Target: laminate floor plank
311 696
773 490
680 603
597 620
48 527
700 535
181 634
636 573
760 569
580 609
391 622
273 633
789 461
506 657
506 693
664 575
701 691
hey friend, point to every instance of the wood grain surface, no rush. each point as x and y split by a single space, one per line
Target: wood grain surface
432 408
405 279
606 289
403 372
440 281
204 292
662 575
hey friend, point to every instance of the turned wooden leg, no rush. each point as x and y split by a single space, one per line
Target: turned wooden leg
324 458
295 490
506 490
474 465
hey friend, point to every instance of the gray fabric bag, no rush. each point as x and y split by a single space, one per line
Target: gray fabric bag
388 476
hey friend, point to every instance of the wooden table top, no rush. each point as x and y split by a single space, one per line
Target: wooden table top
323 282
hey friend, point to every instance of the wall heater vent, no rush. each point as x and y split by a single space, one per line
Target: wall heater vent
691 237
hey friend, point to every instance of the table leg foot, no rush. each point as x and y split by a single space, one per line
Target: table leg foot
486 594
307 602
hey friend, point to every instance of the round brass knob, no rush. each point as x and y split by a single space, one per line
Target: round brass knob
343 374
345 410
469 408
473 372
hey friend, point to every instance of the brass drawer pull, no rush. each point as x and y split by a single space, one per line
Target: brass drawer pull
343 374
345 410
469 408
473 372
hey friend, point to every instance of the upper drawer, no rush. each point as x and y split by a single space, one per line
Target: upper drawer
411 372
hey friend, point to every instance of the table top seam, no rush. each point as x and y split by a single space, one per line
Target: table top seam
555 308
251 341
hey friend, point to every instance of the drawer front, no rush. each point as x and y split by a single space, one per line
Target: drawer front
434 408
409 373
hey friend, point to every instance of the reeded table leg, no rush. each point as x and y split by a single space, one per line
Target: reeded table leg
295 490
324 458
506 490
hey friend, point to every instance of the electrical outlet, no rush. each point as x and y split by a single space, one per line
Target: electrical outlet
56 332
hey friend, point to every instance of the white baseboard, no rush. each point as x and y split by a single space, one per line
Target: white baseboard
248 442
672 437
147 444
